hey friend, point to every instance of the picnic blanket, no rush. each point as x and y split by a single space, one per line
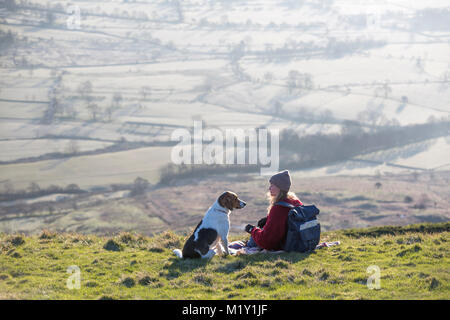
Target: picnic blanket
239 248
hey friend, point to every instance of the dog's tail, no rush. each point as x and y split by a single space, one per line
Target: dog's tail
178 253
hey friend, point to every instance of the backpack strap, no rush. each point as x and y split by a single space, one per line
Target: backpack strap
284 204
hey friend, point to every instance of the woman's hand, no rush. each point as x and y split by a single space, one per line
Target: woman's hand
249 228
262 222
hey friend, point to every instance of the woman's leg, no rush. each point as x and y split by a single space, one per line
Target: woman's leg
251 243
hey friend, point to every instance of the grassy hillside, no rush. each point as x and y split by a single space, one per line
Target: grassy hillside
413 262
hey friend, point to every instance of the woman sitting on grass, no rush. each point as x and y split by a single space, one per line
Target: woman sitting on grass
270 234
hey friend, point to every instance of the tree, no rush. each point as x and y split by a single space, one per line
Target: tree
52 108
94 109
350 127
70 111
34 187
85 90
139 186
10 5
115 104
277 107
297 80
179 11
72 188
387 89
49 113
268 47
72 147
237 51
117 99
109 111
308 81
9 187
326 115
49 18
7 40
268 77
420 64
292 80
145 91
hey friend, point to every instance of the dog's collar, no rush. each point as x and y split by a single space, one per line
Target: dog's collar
222 210
218 207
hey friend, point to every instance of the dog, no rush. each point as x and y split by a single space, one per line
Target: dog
212 229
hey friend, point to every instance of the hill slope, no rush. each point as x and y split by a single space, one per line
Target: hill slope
413 263
344 202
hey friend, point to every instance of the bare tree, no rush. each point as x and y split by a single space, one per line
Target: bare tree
94 109
9 187
34 187
292 80
350 127
404 99
53 107
109 112
179 11
145 91
70 111
268 77
326 115
7 40
117 99
297 80
49 113
10 5
72 147
85 91
420 64
237 51
49 19
387 89
277 107
115 104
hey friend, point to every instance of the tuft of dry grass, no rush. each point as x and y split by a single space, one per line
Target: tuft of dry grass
127 281
111 245
132 239
47 234
165 240
16 240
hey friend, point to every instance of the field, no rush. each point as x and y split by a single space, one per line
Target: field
413 263
90 171
142 69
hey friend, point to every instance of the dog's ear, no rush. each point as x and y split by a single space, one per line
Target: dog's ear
225 200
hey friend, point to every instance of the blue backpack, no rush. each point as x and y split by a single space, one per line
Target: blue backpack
303 230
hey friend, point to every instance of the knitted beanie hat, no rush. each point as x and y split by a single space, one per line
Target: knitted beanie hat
282 180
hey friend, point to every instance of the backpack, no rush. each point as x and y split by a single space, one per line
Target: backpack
303 228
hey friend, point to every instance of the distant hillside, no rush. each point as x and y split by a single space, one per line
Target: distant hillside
413 263
105 113
344 202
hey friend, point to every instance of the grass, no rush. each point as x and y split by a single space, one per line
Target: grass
413 263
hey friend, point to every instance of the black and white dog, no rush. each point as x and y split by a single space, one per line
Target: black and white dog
212 230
